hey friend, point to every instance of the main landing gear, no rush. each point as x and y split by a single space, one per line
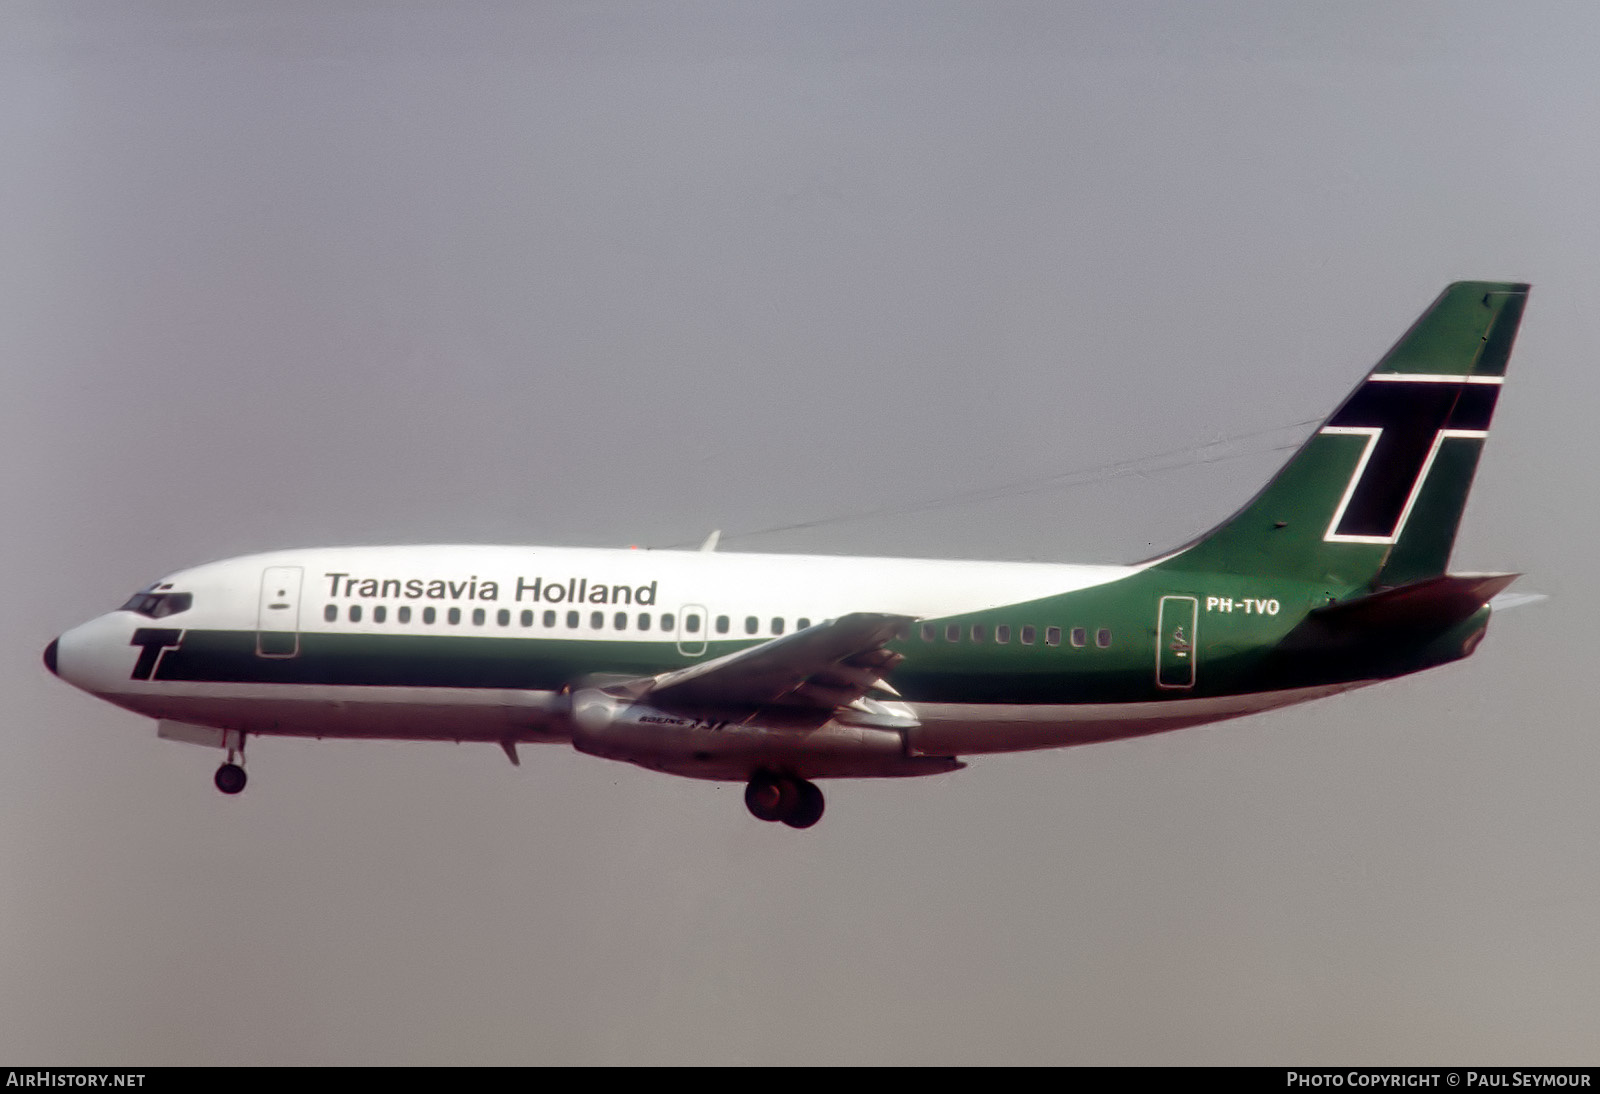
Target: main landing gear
773 797
230 777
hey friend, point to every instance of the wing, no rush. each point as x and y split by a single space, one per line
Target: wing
824 667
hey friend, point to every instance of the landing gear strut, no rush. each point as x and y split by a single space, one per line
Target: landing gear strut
230 777
773 797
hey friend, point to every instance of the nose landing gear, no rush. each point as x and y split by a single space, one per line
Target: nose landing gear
774 797
230 778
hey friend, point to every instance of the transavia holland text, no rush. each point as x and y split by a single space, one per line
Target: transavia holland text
573 590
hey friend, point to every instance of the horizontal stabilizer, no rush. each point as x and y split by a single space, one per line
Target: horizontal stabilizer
1432 602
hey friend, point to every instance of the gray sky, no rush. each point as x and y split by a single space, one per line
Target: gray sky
315 273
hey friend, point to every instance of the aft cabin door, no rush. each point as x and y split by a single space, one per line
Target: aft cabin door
278 618
1176 624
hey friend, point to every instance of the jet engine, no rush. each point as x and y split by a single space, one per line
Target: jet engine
728 745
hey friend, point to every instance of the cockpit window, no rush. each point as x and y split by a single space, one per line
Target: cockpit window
158 605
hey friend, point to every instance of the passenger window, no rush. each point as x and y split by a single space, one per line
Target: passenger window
751 624
429 615
1078 637
331 613
355 613
1002 634
454 616
572 620
777 625
644 621
668 621
527 617
952 632
802 623
503 617
1102 638
620 622
477 617
1028 635
597 621
1052 636
979 632
379 614
930 632
722 624
550 618
404 614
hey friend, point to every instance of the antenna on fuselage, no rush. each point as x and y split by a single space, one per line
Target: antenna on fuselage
711 541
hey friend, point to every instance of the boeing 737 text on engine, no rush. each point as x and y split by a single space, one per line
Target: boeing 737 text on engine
778 670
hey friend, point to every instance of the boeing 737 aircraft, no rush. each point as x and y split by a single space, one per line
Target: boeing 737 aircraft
777 670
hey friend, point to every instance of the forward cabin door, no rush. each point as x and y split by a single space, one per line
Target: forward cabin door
278 615
1175 641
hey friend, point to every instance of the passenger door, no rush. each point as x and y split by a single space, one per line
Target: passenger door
278 614
1176 649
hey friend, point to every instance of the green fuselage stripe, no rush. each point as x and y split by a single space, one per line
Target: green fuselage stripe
1233 652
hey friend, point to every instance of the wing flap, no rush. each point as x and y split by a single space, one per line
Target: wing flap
826 666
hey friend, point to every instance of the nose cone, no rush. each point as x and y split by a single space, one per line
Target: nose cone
94 656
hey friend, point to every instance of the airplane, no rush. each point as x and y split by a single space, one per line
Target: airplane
779 670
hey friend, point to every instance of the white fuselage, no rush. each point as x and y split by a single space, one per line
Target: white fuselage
583 603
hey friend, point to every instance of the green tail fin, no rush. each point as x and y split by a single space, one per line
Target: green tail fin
1374 497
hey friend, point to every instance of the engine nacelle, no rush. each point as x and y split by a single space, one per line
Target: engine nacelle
728 747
